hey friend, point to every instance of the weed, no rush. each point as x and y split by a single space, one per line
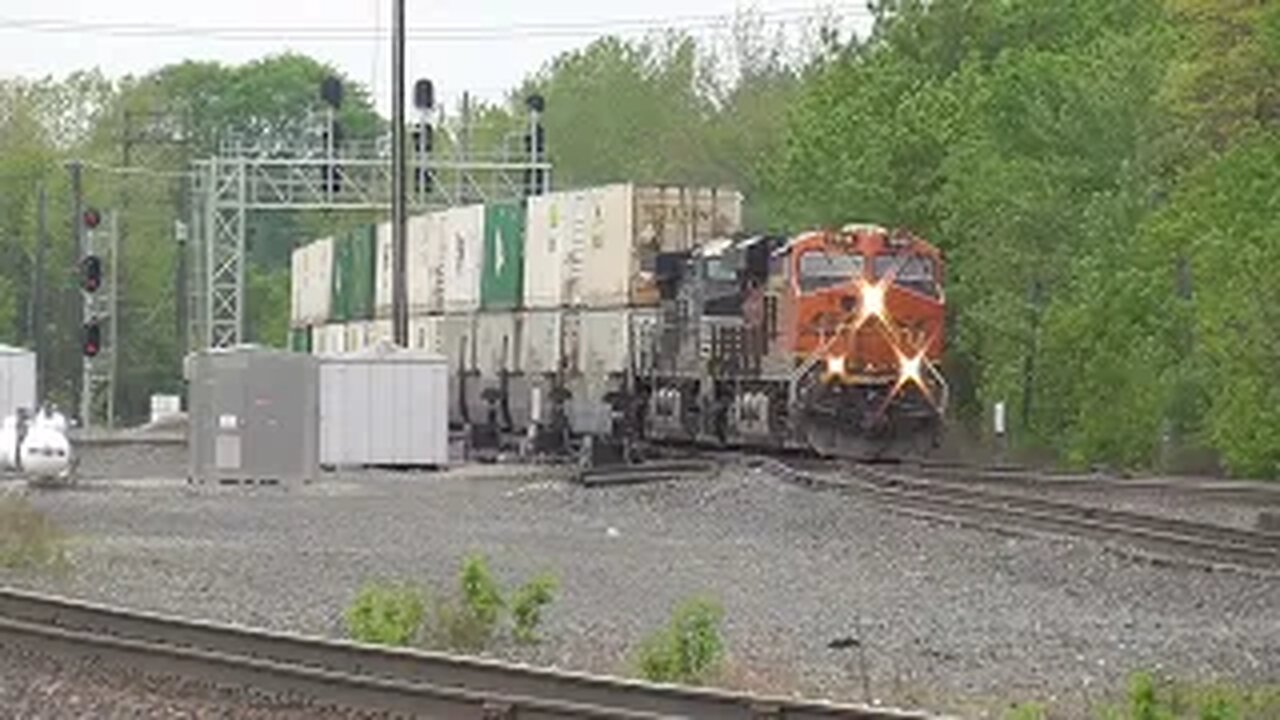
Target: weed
386 615
1027 711
527 605
29 539
688 650
470 623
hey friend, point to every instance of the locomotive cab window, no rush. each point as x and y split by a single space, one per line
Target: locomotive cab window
720 271
914 272
820 270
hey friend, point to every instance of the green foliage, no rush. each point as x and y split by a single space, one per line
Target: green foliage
470 622
689 650
29 539
268 300
527 604
1027 711
1149 699
386 615
472 619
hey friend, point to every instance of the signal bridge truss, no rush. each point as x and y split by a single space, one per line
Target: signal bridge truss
246 178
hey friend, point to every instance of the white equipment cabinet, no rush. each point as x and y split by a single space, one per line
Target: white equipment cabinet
384 407
17 380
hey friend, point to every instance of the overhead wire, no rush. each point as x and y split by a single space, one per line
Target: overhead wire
459 33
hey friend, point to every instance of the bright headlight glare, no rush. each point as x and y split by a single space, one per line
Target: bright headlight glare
835 365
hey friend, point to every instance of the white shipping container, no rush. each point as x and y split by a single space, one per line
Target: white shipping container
426 263
424 334
497 343
555 239
327 339
295 287
383 297
313 278
457 341
541 342
384 407
17 380
463 236
598 247
365 334
630 225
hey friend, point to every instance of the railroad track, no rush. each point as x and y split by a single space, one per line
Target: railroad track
1167 538
1255 493
419 684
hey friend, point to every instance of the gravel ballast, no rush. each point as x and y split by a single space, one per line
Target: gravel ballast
952 618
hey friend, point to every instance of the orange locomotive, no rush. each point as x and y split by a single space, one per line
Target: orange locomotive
831 340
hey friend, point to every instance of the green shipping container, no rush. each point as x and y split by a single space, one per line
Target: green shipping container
502 280
300 339
354 264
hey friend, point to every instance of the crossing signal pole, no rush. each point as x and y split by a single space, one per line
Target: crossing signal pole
98 239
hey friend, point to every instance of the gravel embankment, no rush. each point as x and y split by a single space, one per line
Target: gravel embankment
952 618
35 686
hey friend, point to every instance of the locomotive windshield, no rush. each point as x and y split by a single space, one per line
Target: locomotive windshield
910 271
822 270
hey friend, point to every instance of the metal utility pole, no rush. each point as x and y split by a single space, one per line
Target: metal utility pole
37 290
399 252
77 227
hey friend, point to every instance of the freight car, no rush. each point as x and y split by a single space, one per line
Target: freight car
628 312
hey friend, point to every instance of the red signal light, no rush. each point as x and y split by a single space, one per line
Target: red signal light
92 339
92 218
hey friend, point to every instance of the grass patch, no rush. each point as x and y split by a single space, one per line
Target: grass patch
689 650
1152 699
1149 698
29 539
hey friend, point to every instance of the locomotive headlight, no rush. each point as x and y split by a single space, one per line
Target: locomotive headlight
835 365
909 369
872 301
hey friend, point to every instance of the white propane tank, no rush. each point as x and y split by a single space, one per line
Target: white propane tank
9 443
42 451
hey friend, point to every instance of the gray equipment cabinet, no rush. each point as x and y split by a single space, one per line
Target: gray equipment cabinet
254 416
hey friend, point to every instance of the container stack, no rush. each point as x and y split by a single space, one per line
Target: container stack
512 293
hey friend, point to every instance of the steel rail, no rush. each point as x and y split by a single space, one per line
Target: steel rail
352 675
1163 537
1253 492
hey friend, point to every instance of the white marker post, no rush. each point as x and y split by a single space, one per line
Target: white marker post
998 418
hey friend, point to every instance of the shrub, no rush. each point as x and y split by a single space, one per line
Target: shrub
688 650
386 615
527 605
29 539
470 623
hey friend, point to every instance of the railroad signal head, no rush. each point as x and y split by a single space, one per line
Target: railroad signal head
331 91
424 95
92 218
91 273
92 338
